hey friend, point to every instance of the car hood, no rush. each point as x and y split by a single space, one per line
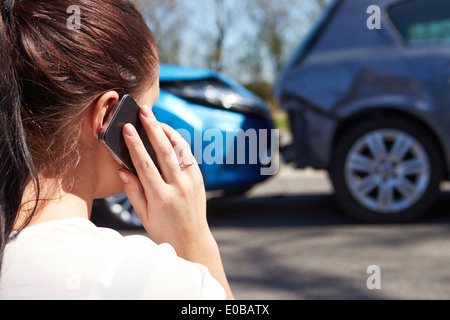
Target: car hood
168 73
172 73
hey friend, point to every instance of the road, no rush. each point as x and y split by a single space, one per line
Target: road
288 240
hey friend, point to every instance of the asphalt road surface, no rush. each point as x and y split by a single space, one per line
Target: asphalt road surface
287 239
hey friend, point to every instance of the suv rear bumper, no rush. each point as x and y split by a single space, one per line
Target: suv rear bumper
312 139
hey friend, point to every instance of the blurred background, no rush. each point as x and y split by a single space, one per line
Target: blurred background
360 93
247 40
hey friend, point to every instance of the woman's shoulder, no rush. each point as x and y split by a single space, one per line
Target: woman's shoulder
105 264
78 233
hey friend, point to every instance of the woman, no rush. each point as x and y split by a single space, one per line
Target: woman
58 84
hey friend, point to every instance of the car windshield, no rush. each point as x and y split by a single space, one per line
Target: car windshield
422 22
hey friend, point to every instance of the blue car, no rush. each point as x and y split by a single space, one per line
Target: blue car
230 131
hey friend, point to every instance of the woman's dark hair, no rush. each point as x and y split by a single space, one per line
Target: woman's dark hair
51 72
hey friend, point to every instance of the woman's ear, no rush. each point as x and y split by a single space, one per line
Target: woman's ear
100 110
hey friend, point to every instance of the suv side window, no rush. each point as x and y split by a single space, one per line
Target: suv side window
422 22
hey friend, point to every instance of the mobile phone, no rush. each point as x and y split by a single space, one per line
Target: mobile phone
125 111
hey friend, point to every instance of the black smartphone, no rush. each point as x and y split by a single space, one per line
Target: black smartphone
126 110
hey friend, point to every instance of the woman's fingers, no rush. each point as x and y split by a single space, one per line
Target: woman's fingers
180 145
135 193
145 167
189 167
165 153
171 151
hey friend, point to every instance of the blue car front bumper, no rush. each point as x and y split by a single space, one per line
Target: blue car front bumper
212 133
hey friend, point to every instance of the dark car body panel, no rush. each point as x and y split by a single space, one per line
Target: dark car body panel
348 69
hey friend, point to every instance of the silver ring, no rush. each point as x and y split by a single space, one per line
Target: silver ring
186 165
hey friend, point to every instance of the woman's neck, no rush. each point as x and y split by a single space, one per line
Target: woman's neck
54 203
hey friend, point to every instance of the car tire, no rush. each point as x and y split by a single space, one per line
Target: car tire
116 213
386 170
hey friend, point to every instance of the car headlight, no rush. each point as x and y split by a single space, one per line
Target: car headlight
217 94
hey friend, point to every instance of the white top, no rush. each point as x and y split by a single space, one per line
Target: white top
73 259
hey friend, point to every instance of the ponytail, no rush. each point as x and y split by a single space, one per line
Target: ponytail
16 165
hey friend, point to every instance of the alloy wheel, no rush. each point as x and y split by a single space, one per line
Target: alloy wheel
387 171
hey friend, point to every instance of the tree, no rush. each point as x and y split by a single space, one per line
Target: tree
225 16
167 20
281 25
250 40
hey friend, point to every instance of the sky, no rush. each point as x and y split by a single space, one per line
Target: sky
242 43
242 34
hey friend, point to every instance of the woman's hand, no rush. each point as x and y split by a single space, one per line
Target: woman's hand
172 204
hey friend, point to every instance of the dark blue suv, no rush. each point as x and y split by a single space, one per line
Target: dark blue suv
368 93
